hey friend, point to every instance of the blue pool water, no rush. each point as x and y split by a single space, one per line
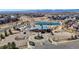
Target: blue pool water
47 23
38 27
44 25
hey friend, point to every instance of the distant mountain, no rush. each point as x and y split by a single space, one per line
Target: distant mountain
4 11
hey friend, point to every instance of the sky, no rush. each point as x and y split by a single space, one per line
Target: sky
39 4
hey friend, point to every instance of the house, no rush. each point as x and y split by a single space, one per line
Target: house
8 19
3 20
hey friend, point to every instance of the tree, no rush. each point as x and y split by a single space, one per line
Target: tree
24 33
31 43
13 45
72 38
10 31
6 34
9 45
75 36
2 36
14 27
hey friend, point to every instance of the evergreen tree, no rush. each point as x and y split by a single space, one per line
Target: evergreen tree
10 31
75 36
13 45
9 45
6 34
2 36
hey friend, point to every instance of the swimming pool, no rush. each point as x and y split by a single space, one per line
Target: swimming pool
38 27
41 25
47 23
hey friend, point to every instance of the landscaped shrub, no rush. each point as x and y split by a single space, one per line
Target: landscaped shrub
49 40
10 46
72 38
69 39
75 36
6 34
2 36
24 32
48 30
4 47
43 32
31 43
10 31
14 28
38 37
13 45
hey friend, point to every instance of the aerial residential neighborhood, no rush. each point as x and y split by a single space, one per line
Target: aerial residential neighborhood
39 30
